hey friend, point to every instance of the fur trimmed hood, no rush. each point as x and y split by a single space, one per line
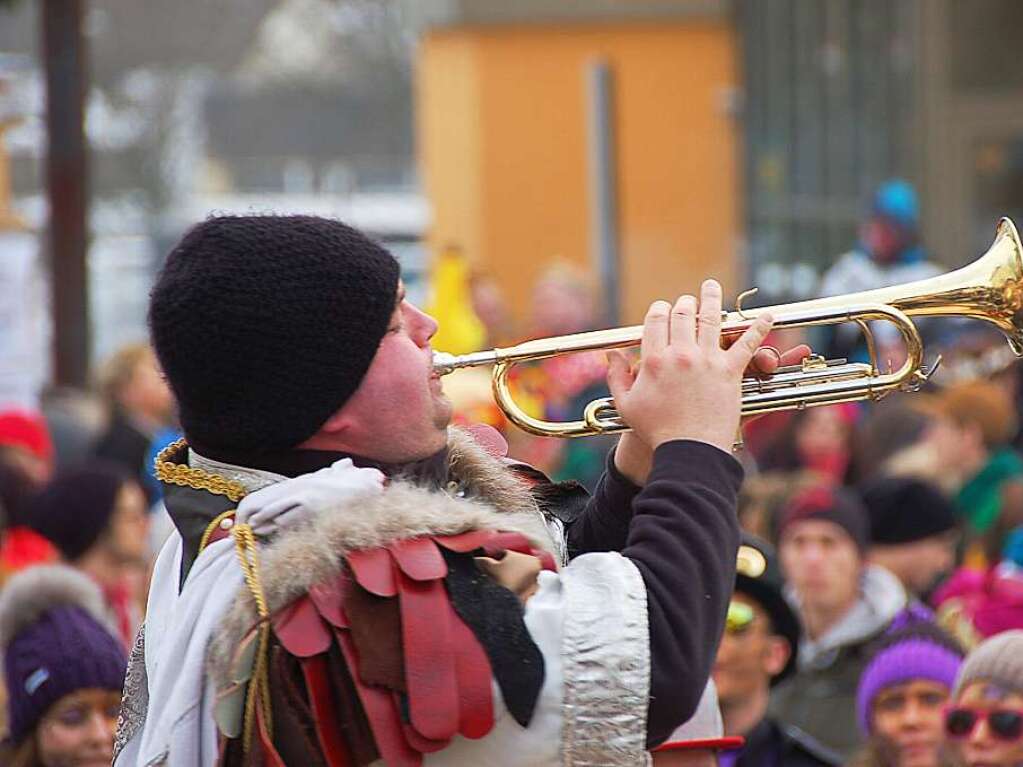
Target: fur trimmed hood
483 495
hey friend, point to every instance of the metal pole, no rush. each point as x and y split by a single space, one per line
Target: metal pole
67 181
604 187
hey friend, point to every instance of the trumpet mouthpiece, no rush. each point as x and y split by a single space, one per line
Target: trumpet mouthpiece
444 363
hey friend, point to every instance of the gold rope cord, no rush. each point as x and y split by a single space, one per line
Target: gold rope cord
185 476
258 693
259 686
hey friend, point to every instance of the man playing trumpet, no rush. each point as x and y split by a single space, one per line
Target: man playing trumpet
351 582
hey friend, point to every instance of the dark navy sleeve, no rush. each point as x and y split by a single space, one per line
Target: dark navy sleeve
604 523
683 538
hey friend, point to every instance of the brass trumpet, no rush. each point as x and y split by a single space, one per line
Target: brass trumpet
990 289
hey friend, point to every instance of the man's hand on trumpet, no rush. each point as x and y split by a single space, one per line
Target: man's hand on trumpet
687 384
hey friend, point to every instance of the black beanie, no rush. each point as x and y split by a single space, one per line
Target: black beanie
74 509
266 325
830 504
758 575
904 510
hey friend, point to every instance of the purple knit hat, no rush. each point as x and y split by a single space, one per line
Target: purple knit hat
54 643
912 649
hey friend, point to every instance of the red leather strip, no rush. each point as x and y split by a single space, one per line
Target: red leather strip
507 542
465 542
419 743
300 629
546 560
472 667
373 571
382 712
419 558
335 750
494 543
328 596
429 658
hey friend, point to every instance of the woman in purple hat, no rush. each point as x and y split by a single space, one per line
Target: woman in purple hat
63 671
902 694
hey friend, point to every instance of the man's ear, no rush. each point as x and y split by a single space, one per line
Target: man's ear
776 655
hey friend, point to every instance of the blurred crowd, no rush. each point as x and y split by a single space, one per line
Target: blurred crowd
878 611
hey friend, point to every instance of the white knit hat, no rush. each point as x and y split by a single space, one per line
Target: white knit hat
998 659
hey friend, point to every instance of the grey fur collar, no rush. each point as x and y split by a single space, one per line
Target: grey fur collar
301 557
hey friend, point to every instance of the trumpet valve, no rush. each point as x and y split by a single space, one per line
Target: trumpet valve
814 363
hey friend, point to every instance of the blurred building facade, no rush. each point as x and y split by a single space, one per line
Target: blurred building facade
652 141
746 136
841 95
242 106
539 122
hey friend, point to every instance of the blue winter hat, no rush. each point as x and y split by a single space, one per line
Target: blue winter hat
54 643
897 200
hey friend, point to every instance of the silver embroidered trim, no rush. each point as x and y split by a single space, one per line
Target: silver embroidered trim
251 479
556 528
606 663
135 700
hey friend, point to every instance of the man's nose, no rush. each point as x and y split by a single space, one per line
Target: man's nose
814 553
726 649
421 326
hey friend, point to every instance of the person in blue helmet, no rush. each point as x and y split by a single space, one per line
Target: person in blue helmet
888 253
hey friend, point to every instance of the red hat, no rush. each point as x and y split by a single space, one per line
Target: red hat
704 730
27 430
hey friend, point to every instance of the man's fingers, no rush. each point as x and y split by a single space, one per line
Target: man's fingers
655 328
683 321
795 355
619 373
742 351
709 334
766 360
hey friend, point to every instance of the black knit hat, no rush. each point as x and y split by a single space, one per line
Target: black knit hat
266 325
74 509
904 510
830 504
758 576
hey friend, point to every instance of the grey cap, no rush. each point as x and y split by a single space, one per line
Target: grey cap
998 659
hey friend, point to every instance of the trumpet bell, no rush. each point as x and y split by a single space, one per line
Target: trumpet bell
990 289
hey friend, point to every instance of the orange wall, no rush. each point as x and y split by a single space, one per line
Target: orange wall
502 134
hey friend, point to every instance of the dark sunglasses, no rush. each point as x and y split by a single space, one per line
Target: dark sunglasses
1004 723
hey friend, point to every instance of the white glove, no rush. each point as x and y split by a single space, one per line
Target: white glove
293 500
